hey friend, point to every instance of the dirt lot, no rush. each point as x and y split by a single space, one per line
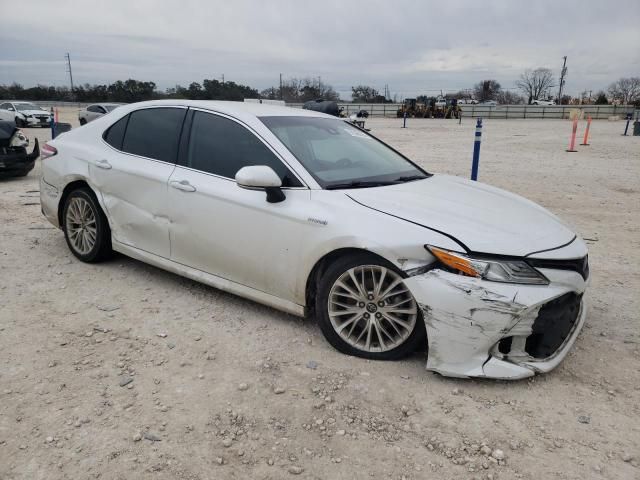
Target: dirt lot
221 387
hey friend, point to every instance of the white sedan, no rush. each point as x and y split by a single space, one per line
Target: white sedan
546 103
311 215
96 110
25 114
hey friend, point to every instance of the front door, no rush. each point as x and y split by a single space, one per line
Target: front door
228 231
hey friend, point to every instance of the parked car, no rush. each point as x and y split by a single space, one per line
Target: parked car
489 102
15 160
25 114
542 102
306 213
95 111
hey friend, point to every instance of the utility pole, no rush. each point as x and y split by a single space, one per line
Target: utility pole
223 79
280 91
70 73
563 73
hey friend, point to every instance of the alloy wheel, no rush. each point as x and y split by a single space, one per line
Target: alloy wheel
81 225
371 308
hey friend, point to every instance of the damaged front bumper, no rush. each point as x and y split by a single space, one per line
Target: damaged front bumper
478 328
17 161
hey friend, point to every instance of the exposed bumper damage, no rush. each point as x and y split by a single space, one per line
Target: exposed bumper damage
477 328
15 160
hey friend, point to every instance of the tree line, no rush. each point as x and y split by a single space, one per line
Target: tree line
537 84
130 91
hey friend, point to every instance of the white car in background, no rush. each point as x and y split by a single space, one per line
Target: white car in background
96 110
311 215
25 114
543 102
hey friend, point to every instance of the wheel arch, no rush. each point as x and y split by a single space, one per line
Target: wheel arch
70 187
311 287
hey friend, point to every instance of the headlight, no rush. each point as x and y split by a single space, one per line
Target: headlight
28 115
19 140
493 269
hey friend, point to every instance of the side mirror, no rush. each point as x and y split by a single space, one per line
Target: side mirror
11 109
261 177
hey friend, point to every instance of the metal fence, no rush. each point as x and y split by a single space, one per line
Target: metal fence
498 111
485 111
545 111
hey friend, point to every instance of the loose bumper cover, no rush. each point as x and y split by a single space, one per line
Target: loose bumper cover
479 328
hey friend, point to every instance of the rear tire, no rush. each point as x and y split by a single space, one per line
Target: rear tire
83 122
364 309
85 226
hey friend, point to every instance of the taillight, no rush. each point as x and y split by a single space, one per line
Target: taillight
47 151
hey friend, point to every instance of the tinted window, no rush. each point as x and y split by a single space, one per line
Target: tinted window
92 108
154 133
115 134
221 146
5 106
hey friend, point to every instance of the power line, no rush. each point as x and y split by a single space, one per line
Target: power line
68 57
563 74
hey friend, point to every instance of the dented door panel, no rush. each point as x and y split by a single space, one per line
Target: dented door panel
134 192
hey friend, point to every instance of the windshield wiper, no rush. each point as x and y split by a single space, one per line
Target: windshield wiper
410 178
359 184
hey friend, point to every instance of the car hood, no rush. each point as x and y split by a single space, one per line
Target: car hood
480 217
34 112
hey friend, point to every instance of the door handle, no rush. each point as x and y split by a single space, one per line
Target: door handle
103 164
183 185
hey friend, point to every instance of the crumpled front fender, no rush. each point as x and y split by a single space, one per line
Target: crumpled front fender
466 317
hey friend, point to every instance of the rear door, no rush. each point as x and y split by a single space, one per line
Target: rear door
228 231
132 174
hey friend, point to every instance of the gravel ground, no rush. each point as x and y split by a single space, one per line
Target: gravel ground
121 370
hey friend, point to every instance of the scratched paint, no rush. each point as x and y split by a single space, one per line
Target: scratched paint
466 317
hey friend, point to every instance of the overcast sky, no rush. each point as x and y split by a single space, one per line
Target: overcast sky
413 46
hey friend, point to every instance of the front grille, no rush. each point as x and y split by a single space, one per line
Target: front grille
580 265
553 325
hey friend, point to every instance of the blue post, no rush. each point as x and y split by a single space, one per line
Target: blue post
476 150
404 120
627 127
53 125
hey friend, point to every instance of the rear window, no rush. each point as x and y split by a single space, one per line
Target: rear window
115 134
154 133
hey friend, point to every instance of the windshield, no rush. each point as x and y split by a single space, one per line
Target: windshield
339 155
26 106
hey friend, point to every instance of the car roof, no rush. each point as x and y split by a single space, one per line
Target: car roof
234 109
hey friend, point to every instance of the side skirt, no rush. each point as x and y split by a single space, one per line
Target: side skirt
211 280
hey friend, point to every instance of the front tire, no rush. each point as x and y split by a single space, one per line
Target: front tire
364 309
20 123
85 226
